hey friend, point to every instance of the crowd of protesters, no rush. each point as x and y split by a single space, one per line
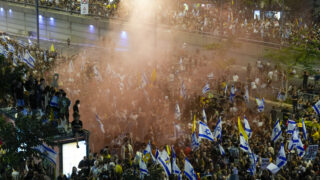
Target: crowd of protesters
132 99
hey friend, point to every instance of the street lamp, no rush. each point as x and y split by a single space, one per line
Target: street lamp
37 13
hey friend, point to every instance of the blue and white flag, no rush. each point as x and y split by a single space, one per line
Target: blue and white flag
276 133
100 123
246 95
28 59
47 152
291 126
217 134
260 104
30 42
253 162
293 141
22 43
183 91
189 171
177 113
11 48
273 168
244 146
148 151
4 39
194 142
175 168
316 107
54 101
143 168
232 93
3 51
15 60
206 88
221 150
204 116
204 132
304 130
300 148
164 161
157 155
247 127
281 158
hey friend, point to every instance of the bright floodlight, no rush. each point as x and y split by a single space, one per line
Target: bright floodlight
51 19
10 11
1 9
40 17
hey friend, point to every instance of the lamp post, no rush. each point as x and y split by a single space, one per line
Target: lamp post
37 12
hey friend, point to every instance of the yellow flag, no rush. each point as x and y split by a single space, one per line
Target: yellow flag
153 75
194 123
168 150
52 48
232 2
241 130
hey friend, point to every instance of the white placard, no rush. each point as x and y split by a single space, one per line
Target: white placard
84 7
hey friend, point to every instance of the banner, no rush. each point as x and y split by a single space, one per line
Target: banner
311 152
84 7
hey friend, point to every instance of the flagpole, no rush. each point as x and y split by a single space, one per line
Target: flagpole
37 12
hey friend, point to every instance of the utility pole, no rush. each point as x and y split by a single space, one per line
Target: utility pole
37 12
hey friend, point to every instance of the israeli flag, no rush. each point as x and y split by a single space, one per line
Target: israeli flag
11 48
316 107
293 141
206 88
260 104
100 123
3 51
189 171
143 168
194 142
204 116
175 168
246 95
157 154
244 144
177 112
232 93
217 134
28 59
204 132
253 161
4 39
247 127
183 91
304 130
221 150
164 161
276 133
22 43
300 148
291 126
148 151
47 152
281 158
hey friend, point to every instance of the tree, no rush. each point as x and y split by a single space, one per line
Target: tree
22 136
